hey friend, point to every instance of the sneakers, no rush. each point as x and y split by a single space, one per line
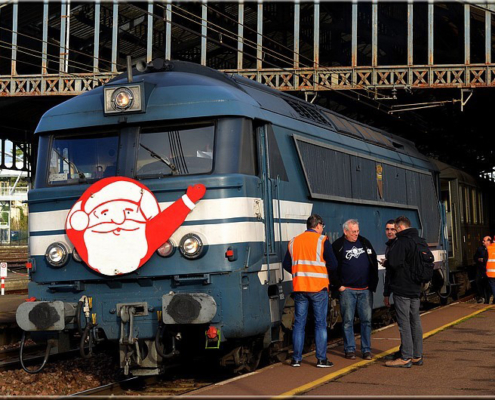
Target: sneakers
350 355
324 364
417 361
367 356
295 363
399 363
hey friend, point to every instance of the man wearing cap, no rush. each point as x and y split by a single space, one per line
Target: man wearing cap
307 259
117 225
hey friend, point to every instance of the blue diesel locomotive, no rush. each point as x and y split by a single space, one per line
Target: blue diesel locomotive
267 159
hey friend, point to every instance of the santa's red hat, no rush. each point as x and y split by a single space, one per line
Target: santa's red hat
109 190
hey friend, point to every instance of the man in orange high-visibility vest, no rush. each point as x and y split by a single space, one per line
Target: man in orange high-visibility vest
490 266
483 290
307 259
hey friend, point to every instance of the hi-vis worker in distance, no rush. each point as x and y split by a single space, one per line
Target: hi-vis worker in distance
490 267
309 259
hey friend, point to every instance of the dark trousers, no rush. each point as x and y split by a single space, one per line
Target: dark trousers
409 322
483 290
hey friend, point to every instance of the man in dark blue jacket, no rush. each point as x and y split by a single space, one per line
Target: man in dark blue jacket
356 279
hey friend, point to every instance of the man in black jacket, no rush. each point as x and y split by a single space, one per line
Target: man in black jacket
391 233
356 279
406 295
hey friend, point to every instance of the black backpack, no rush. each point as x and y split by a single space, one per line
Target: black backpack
423 262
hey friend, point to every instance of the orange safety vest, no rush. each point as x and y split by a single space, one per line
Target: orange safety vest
490 263
309 271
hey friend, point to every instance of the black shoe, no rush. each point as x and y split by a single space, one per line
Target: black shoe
350 355
367 356
295 363
324 364
393 356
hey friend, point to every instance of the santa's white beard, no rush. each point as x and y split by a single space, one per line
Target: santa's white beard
113 255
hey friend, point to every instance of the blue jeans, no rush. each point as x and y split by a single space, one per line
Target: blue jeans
319 302
409 322
362 300
491 281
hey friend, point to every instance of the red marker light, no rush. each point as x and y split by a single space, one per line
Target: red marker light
212 332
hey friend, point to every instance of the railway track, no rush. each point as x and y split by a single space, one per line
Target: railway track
182 381
14 255
9 358
99 376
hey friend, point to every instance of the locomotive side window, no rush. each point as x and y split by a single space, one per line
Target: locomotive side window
480 208
474 202
82 159
175 151
277 168
467 204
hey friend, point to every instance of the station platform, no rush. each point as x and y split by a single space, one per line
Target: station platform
459 360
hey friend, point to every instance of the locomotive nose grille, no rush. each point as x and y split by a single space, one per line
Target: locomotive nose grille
188 308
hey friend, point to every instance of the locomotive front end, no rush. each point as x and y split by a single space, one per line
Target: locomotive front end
145 223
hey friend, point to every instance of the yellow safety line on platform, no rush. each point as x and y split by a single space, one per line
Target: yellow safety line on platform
327 378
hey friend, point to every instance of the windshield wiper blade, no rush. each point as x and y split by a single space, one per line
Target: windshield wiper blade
82 177
164 160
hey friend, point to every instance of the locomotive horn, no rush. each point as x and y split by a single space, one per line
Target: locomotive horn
141 66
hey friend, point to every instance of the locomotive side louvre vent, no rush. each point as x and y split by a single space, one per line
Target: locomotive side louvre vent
309 112
404 186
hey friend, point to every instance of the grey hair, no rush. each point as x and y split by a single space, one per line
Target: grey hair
346 224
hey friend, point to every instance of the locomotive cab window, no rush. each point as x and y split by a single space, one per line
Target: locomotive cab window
184 151
82 158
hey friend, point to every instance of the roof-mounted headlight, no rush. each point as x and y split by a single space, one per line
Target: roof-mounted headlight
123 99
57 254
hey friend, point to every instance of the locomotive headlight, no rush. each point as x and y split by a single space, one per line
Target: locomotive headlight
191 246
57 254
76 256
124 99
166 249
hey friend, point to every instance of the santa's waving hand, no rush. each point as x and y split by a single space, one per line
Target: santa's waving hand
167 222
117 225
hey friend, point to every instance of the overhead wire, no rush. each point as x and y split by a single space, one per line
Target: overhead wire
234 36
75 76
100 59
220 30
50 57
378 106
265 50
209 38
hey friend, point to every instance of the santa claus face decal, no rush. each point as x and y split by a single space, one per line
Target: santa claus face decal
117 225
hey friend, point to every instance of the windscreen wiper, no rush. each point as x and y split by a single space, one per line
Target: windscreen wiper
82 177
164 160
